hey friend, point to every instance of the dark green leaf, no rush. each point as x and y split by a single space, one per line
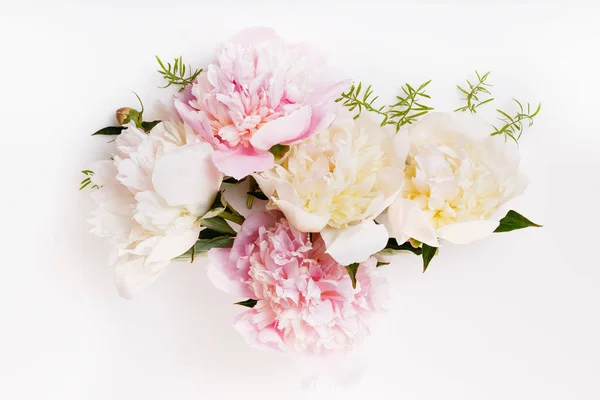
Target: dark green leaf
148 125
352 269
428 253
217 224
512 221
109 130
279 150
258 194
221 242
250 303
392 244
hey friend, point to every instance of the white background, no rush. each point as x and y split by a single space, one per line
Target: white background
515 316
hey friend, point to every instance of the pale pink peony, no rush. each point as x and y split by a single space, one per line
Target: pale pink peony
258 93
306 302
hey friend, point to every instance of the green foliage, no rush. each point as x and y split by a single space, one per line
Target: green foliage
428 253
512 221
109 130
87 180
357 100
352 270
514 125
202 246
408 108
250 303
405 111
393 247
175 74
474 92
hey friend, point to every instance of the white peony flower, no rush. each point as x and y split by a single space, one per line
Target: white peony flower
150 198
456 180
337 182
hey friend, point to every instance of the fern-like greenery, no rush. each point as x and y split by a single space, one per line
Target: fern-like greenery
475 91
513 125
175 74
405 111
87 180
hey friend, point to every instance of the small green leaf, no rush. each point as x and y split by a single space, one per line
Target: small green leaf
428 253
221 242
217 224
352 269
109 130
393 246
279 150
148 125
258 194
231 180
250 303
513 221
382 264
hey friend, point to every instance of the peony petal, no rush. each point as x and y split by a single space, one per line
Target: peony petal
187 176
217 273
197 120
467 232
300 219
132 275
173 244
282 130
406 220
240 162
356 243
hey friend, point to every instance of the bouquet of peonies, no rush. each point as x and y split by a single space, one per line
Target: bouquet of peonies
294 182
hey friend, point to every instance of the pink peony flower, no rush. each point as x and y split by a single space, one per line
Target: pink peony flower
259 92
306 302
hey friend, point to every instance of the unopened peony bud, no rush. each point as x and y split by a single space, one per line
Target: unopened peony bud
124 115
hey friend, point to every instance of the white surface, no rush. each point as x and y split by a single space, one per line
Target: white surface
514 316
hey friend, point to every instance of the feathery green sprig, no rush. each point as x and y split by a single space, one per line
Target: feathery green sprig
514 125
87 180
474 92
175 74
405 111
354 101
408 108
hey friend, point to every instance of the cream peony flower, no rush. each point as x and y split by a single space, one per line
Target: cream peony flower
456 180
337 182
150 198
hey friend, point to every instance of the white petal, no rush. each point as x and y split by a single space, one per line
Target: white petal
405 219
356 243
174 244
187 176
300 219
131 275
467 232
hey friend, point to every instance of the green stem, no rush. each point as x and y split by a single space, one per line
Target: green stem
238 219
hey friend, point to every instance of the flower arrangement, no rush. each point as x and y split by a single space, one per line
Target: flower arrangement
342 181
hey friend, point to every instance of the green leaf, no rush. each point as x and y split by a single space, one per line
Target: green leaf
250 303
217 224
428 253
221 242
352 269
258 194
231 180
382 264
393 246
513 221
109 130
213 212
148 125
279 150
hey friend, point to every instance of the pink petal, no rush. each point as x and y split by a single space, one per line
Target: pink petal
197 120
282 130
241 162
